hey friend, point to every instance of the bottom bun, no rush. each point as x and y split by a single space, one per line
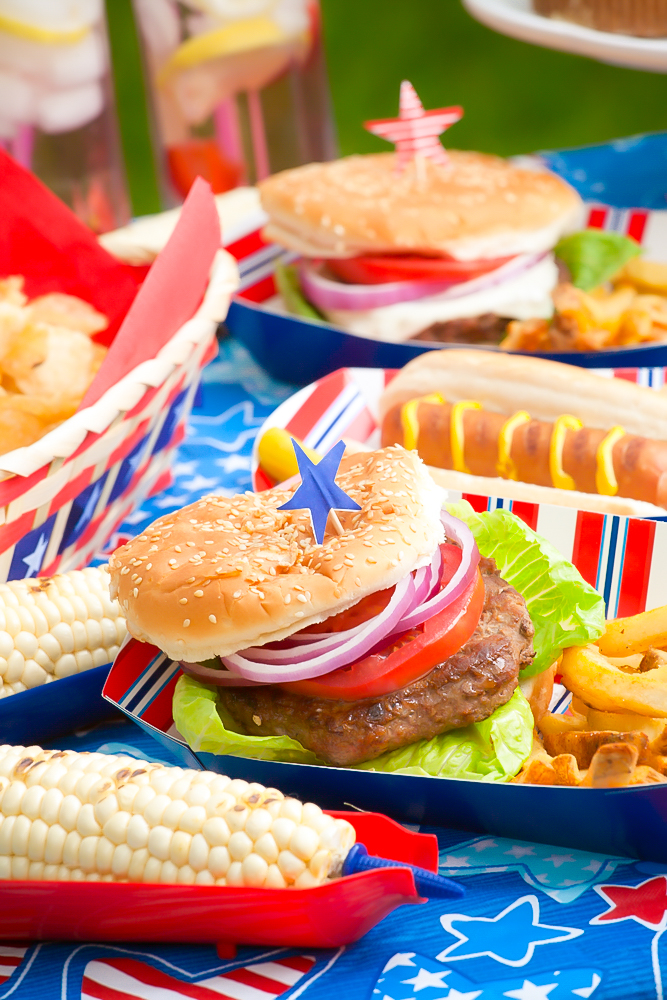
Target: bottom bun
538 691
464 482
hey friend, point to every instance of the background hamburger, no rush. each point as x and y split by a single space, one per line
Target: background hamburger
381 647
394 248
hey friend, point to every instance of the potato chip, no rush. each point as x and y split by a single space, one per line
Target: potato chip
58 309
18 428
46 358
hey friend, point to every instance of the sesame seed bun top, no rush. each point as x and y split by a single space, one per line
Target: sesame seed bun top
225 573
478 206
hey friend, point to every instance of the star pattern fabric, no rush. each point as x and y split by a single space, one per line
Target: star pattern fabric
428 979
562 875
318 492
415 132
509 938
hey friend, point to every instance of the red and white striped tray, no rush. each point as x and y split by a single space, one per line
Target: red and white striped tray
622 557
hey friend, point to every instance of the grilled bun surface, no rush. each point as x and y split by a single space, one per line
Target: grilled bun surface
476 206
225 573
546 389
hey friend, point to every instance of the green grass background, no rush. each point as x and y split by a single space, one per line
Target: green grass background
517 97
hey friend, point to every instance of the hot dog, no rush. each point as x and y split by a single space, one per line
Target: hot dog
531 421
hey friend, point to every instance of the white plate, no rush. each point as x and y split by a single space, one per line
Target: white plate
518 19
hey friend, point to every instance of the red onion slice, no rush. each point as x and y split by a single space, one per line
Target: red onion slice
459 583
211 675
318 663
326 293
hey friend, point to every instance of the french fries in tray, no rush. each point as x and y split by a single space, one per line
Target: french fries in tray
614 732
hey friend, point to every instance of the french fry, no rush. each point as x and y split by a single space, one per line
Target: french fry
624 722
625 636
583 746
644 275
566 770
589 675
613 766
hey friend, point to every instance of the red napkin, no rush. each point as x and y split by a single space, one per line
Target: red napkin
171 293
46 243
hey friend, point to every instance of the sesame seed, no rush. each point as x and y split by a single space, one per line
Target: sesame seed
357 581
338 566
300 614
173 562
213 620
149 565
288 598
177 548
186 622
135 592
373 562
191 579
199 593
183 600
302 598
237 594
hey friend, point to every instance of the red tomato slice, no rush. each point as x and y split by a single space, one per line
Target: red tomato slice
409 657
380 269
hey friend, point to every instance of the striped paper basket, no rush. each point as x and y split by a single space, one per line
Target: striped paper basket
62 497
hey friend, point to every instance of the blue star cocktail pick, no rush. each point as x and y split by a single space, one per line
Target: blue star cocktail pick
318 492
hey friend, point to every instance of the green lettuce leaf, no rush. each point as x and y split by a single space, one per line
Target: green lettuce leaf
593 256
492 750
289 286
205 725
565 610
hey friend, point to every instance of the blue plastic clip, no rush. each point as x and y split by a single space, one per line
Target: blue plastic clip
428 884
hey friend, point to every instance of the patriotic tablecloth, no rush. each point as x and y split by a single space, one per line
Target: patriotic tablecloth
537 922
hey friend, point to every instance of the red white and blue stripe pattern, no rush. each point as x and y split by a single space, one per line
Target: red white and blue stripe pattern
131 979
11 956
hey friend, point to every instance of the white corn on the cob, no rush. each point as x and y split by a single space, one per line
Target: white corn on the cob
52 627
95 817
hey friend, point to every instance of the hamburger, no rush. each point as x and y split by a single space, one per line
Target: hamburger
448 252
391 636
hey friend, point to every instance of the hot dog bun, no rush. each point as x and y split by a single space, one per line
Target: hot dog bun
612 456
546 389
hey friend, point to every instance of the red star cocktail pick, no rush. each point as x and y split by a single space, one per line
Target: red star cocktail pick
415 132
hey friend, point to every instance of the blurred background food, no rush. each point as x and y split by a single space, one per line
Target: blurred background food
517 97
47 360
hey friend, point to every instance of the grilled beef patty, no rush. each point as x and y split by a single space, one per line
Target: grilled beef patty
465 688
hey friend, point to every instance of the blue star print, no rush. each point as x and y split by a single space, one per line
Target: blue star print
510 938
318 492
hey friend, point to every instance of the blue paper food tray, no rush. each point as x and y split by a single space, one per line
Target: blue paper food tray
297 351
45 712
623 182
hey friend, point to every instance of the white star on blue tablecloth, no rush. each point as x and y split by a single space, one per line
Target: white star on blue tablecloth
531 991
425 979
510 938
